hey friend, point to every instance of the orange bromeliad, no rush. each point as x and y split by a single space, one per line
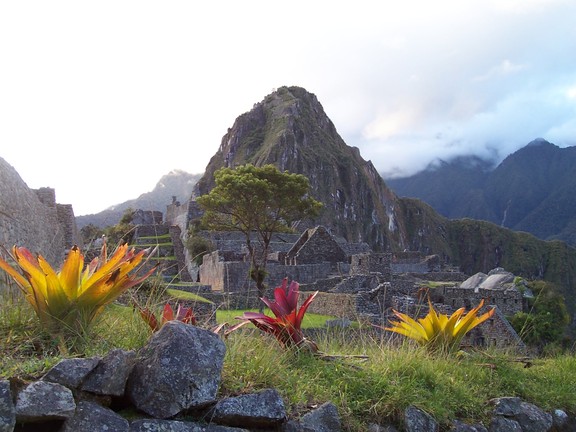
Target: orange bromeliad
72 298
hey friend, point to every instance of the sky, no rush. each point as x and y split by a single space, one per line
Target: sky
99 100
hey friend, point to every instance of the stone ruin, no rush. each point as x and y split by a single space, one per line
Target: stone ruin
354 283
33 218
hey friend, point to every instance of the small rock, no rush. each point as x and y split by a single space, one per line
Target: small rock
417 420
7 409
458 426
42 401
529 416
71 372
262 409
325 418
91 417
111 374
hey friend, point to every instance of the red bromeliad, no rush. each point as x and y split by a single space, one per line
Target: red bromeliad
183 314
287 324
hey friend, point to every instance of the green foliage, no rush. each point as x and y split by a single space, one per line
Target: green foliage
378 389
90 233
257 200
547 319
198 246
261 199
123 231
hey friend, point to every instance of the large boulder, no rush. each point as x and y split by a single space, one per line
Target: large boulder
178 369
325 418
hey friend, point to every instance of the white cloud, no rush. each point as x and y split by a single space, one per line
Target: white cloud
92 90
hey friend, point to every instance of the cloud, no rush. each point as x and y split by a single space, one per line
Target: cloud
106 85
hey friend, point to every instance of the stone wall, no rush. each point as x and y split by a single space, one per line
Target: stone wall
411 264
363 264
496 332
232 276
147 217
509 301
338 305
179 253
33 219
316 245
67 221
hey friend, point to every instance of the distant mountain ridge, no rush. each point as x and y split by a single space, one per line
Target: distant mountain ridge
176 183
531 190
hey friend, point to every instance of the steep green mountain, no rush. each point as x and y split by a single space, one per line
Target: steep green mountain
176 183
532 190
290 129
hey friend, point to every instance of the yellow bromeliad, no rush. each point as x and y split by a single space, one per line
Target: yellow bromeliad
70 299
439 332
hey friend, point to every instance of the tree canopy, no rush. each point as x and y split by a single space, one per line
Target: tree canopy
547 320
257 201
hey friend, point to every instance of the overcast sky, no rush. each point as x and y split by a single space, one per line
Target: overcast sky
100 99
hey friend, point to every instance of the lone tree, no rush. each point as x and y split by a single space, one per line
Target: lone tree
258 201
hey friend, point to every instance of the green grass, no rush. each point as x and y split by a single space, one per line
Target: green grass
156 238
376 389
310 320
185 295
380 388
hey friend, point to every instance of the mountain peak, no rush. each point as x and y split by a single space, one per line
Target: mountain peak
290 130
538 142
287 127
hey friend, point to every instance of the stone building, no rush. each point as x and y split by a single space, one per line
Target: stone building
33 219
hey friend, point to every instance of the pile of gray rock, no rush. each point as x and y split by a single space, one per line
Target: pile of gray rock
171 385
